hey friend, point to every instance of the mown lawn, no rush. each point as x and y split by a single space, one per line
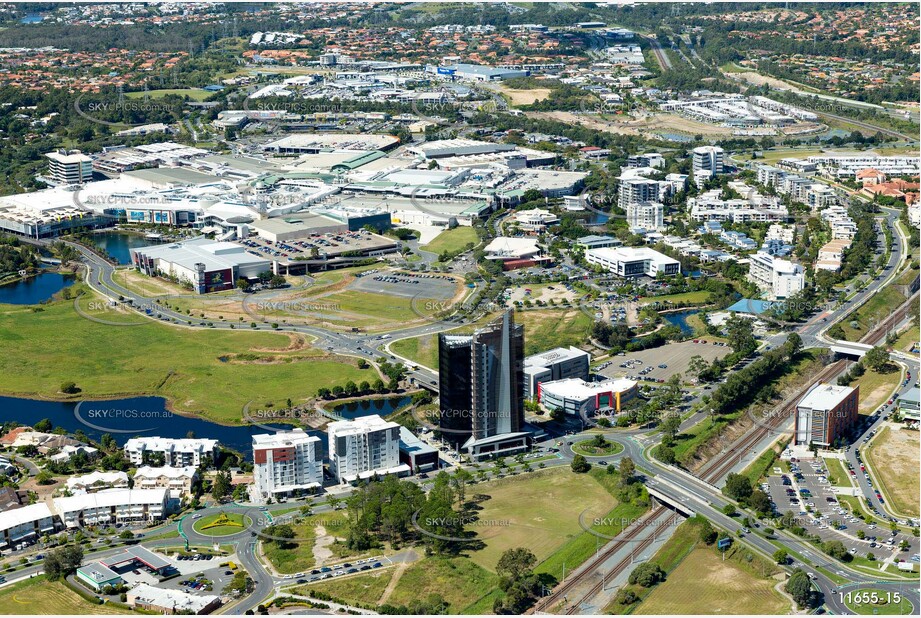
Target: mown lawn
36 596
452 241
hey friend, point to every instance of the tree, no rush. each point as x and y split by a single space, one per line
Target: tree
738 487
69 388
670 426
515 563
281 535
579 465
876 358
780 556
627 471
647 575
800 588
557 414
794 344
697 365
43 425
61 562
667 455
221 486
760 502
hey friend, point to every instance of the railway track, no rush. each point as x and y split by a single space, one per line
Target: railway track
561 592
714 470
879 333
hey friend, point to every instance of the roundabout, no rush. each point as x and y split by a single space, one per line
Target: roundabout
222 524
599 446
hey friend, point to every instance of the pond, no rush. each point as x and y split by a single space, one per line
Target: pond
33 290
680 319
367 407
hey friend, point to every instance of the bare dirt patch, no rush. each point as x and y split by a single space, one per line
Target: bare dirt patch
526 97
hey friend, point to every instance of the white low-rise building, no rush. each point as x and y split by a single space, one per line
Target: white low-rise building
176 452
113 506
633 261
170 601
536 219
578 397
364 447
25 525
286 463
178 481
96 481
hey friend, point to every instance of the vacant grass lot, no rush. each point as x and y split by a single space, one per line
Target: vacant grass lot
303 553
704 584
876 388
687 298
894 462
543 330
539 511
196 94
180 364
36 596
458 581
452 241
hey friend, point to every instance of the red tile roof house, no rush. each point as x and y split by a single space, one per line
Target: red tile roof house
870 176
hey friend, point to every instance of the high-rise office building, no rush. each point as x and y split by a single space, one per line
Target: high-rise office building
69 167
482 388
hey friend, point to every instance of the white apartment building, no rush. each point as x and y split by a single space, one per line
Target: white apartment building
848 165
633 261
783 233
647 215
25 525
831 255
649 159
96 481
113 506
780 278
637 190
364 447
176 452
708 159
709 206
286 463
842 226
178 481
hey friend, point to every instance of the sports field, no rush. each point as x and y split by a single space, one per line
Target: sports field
894 461
36 596
199 370
703 584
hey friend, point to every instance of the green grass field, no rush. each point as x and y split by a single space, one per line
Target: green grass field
364 589
180 364
876 388
196 94
688 298
452 241
762 465
541 511
458 581
874 311
36 596
543 330
210 526
837 472
704 584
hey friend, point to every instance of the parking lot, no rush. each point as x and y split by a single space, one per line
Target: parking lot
806 492
321 245
339 570
675 357
406 284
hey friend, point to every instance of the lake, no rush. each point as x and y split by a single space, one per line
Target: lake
33 290
119 244
135 416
